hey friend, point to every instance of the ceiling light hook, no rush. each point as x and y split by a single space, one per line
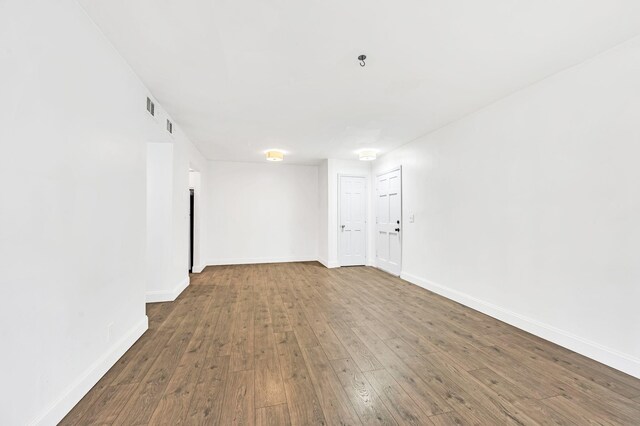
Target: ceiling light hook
361 58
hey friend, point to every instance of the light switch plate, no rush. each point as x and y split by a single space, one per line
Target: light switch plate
412 218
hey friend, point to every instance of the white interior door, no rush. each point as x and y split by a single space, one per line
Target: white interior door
388 221
352 223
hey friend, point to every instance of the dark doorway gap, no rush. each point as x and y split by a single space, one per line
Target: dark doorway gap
191 196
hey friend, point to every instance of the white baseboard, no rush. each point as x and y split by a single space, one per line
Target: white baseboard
328 264
254 260
167 296
90 377
198 269
590 349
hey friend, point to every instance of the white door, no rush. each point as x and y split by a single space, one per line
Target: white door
388 221
352 222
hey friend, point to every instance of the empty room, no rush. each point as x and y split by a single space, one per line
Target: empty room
413 212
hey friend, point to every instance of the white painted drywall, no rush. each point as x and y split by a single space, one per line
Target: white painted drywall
159 221
184 157
73 128
73 246
259 212
323 212
169 181
528 209
178 276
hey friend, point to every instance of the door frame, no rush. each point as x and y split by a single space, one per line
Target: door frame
366 214
192 228
401 233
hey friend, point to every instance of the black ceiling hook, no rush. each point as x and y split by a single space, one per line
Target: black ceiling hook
361 58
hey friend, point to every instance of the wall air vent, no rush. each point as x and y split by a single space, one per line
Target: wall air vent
169 126
151 107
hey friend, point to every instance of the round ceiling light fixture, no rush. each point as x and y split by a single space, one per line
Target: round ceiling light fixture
367 155
273 155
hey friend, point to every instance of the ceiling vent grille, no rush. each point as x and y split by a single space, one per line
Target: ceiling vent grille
169 126
151 107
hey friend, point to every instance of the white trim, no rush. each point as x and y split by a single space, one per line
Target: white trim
590 349
255 260
83 384
328 264
167 296
198 269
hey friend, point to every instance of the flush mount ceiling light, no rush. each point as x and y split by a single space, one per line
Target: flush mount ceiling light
274 155
367 155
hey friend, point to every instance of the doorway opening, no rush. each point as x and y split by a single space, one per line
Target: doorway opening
191 222
195 261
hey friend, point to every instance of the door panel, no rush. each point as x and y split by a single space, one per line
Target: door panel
388 221
383 246
352 224
383 208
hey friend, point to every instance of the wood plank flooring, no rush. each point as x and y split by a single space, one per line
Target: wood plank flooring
299 344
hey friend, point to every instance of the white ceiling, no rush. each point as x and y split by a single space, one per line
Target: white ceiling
242 76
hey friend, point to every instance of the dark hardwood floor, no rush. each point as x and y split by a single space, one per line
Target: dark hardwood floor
299 344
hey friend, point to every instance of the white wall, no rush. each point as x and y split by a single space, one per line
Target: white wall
323 212
186 156
73 231
159 221
261 212
168 183
528 209
73 244
183 156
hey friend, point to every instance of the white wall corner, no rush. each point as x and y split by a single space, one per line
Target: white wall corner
83 384
620 361
323 261
167 296
198 269
328 264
